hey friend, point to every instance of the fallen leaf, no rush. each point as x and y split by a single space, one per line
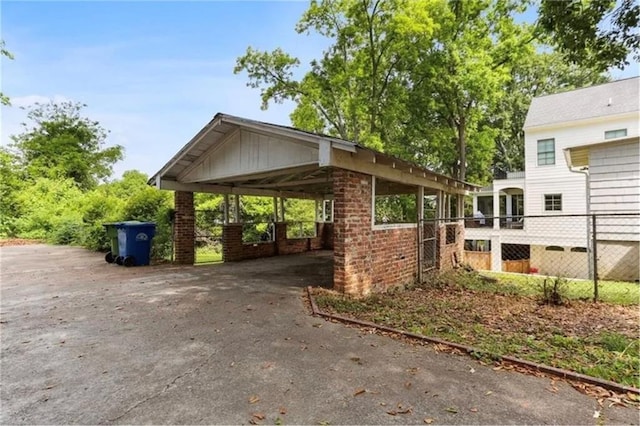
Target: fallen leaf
259 416
428 420
359 391
472 370
473 410
282 410
596 414
407 385
253 421
451 410
253 399
488 393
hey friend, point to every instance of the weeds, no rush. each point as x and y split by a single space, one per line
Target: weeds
553 291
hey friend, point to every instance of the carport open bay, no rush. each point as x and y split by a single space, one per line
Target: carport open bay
87 342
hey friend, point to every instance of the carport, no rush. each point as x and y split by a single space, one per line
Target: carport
235 156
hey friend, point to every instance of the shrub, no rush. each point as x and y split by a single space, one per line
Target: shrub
66 232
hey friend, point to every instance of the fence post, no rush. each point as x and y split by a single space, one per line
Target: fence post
595 256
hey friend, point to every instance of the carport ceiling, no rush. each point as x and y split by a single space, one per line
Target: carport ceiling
233 155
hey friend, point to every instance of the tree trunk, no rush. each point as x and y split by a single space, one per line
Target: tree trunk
462 150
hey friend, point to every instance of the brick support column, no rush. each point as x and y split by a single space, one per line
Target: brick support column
352 232
184 228
281 237
232 242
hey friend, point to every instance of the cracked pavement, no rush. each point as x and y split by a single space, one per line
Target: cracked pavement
84 342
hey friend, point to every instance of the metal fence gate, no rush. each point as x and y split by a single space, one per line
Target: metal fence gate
428 245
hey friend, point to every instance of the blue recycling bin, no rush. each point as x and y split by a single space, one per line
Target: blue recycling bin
134 242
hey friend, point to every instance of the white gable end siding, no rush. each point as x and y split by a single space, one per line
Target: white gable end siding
248 152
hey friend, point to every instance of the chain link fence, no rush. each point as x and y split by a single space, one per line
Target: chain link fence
586 247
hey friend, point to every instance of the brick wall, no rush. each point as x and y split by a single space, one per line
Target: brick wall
233 249
396 257
184 228
366 260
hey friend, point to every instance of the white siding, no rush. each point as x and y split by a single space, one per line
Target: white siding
615 178
248 153
557 178
615 188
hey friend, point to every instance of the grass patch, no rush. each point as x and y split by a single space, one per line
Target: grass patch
616 292
208 254
501 317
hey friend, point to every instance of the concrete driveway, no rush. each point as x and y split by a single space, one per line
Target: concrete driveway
87 342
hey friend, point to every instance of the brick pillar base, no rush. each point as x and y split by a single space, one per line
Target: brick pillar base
184 228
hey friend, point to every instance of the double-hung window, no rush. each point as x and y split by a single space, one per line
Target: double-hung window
553 202
546 152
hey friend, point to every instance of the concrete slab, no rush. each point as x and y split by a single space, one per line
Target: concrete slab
84 342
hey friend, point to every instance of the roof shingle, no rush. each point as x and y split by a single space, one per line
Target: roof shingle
617 97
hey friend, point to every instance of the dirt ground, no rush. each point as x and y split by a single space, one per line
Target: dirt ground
84 342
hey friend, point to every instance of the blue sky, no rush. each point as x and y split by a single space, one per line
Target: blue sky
153 73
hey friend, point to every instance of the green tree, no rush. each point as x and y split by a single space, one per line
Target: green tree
597 33
11 182
356 90
457 79
60 142
4 100
411 78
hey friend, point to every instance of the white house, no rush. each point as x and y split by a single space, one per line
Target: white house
603 117
613 189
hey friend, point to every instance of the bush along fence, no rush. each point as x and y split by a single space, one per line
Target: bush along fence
593 247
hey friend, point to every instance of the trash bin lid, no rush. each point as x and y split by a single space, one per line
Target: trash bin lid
134 223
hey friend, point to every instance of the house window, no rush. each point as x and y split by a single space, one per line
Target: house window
546 152
579 249
613 134
554 248
553 202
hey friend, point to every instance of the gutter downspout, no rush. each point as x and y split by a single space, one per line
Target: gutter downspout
585 172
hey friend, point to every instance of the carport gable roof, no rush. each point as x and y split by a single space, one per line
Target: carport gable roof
234 155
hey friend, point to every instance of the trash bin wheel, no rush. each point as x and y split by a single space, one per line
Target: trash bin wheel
119 260
129 261
109 258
